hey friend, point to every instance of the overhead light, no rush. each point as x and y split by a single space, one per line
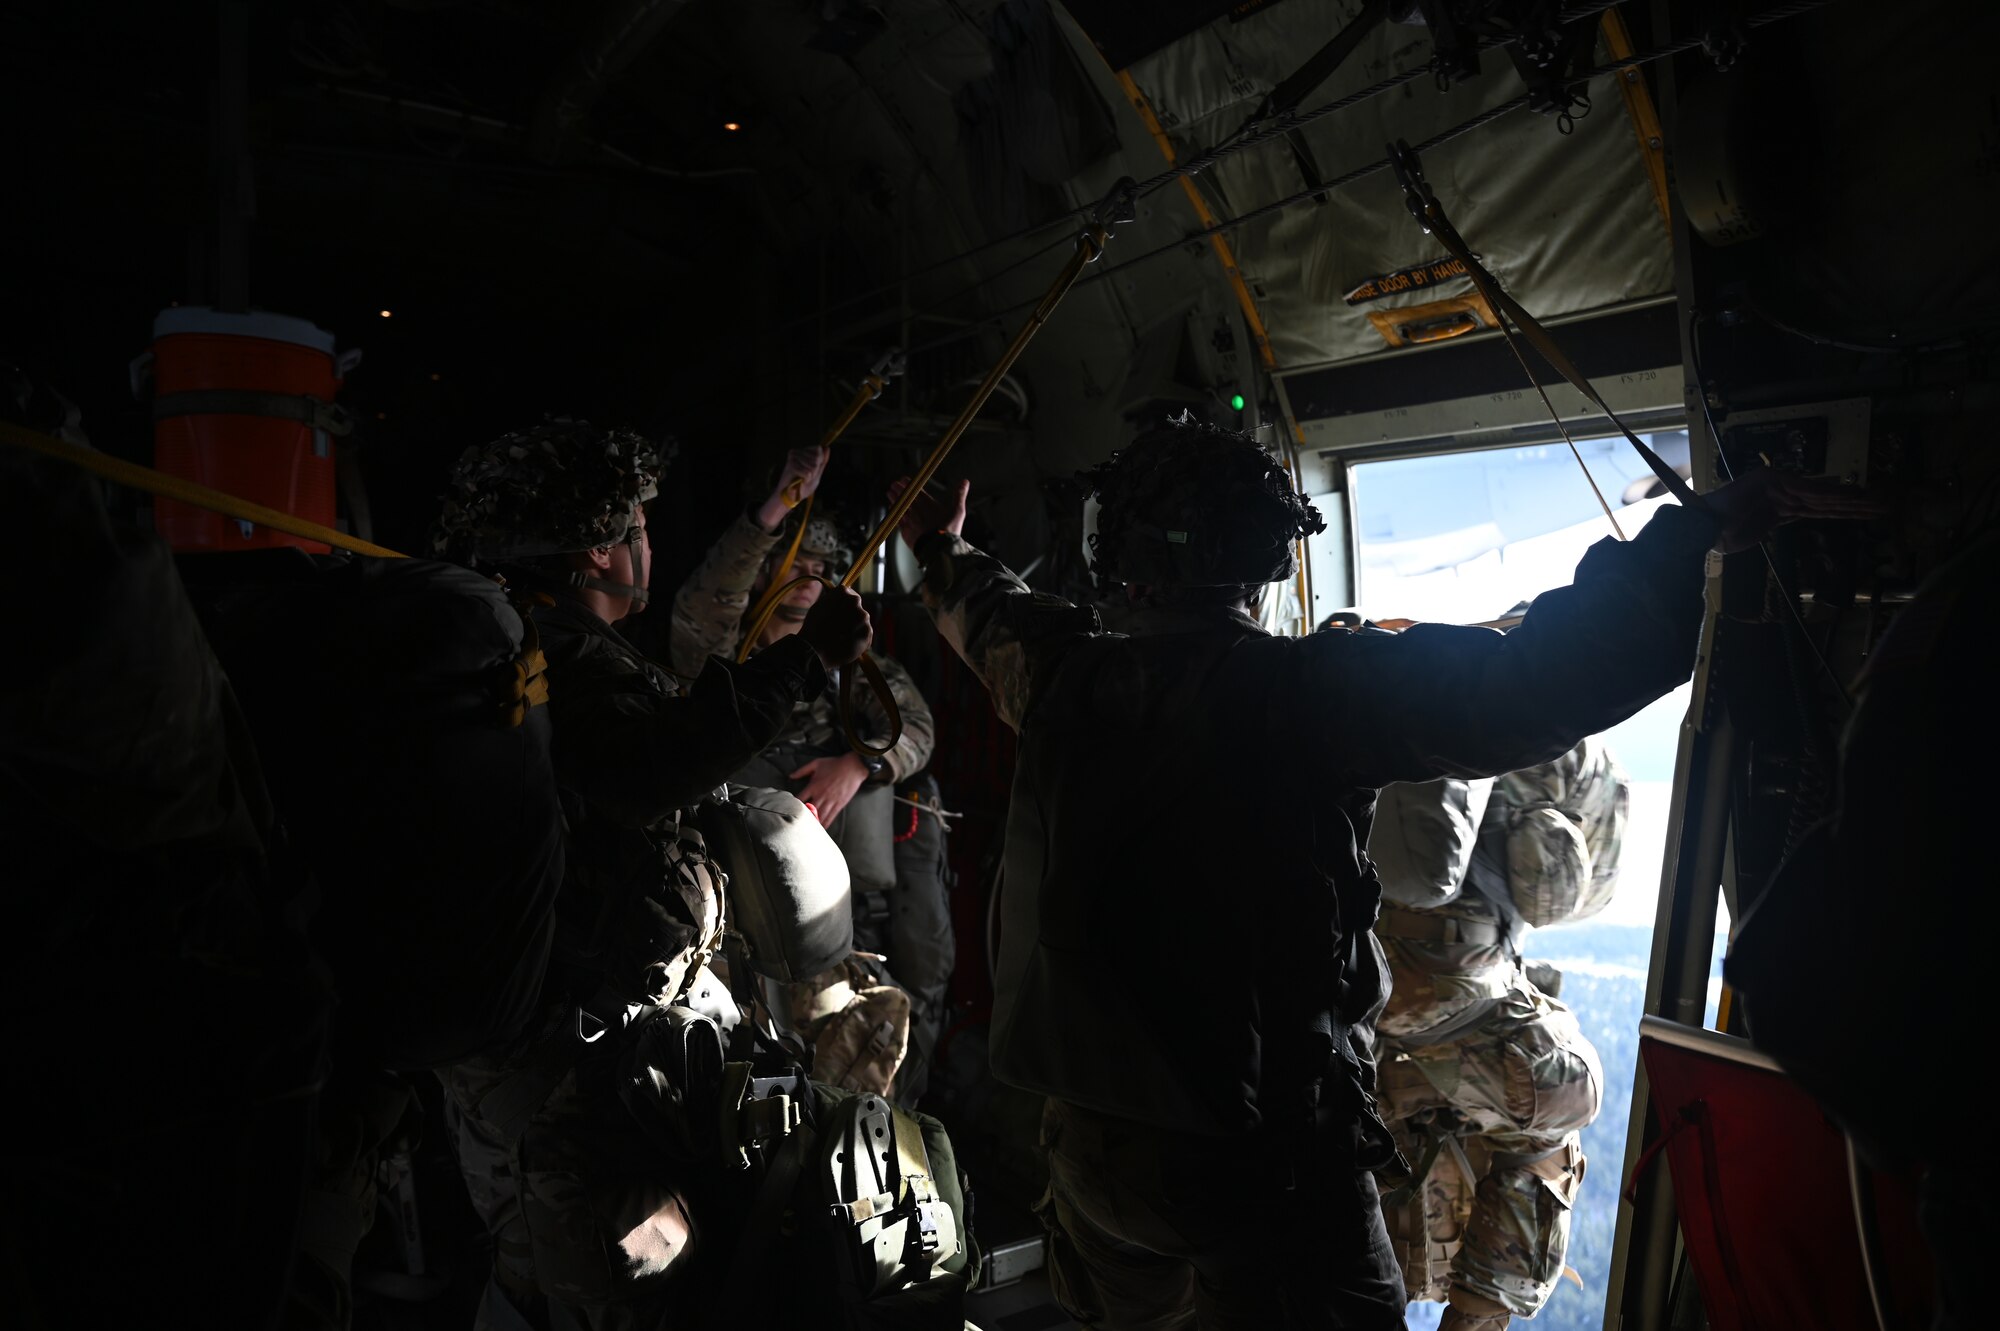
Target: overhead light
731 126
385 314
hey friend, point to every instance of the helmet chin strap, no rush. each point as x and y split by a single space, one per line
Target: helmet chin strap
635 590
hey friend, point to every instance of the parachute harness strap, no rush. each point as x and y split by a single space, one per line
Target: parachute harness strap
634 541
1430 215
892 364
522 683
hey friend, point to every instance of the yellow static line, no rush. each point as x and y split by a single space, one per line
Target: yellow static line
182 490
1645 120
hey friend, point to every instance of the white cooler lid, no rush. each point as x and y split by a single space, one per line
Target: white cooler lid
257 323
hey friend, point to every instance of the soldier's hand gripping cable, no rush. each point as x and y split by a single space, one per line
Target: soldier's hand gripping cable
852 793
1257 1100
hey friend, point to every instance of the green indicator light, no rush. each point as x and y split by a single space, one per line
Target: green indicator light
1236 402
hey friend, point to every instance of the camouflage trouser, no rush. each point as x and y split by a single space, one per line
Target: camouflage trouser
916 936
584 1229
1152 1230
489 1103
1490 1122
360 1111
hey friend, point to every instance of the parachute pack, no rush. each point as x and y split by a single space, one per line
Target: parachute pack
1541 844
393 704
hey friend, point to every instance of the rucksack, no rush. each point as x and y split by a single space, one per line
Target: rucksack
861 1199
1553 833
857 1020
392 703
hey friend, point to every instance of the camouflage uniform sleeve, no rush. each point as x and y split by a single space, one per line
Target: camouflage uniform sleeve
913 751
1002 628
710 605
1440 700
638 752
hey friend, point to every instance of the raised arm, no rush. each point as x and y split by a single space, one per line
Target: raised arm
1439 700
709 607
1004 629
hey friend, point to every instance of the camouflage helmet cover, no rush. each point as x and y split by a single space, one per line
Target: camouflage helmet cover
1189 504
555 488
825 538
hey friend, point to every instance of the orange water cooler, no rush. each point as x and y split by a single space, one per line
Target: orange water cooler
244 403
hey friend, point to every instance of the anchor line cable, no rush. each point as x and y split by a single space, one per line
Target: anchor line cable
1257 134
1479 121
1254 134
1229 223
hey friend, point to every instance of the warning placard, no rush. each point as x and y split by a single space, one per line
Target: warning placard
1416 278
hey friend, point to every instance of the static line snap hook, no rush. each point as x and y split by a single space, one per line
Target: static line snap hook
1118 207
1417 196
893 363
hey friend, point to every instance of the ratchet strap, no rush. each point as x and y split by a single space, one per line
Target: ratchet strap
1423 206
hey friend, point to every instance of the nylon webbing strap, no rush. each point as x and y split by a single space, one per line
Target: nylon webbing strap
920 1190
883 694
184 491
1437 929
1401 1195
912 1161
768 1211
1430 214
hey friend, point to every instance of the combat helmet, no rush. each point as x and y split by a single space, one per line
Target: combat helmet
556 488
827 539
1191 505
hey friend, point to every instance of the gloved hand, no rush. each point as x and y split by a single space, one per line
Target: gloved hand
1750 507
837 627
